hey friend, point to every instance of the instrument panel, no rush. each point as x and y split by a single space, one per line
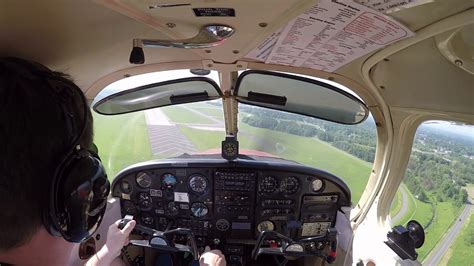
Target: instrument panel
231 202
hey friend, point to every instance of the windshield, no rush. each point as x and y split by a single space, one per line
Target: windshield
198 128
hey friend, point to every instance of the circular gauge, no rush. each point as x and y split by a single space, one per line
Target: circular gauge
172 208
128 207
125 187
199 209
147 219
269 184
290 185
168 181
265 226
317 185
143 180
198 183
222 225
230 149
145 200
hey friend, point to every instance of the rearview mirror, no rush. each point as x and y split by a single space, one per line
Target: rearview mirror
178 91
300 95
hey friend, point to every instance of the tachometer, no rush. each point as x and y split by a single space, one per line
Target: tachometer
199 209
269 185
168 181
289 185
143 180
198 183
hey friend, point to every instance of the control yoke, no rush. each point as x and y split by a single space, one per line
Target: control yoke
274 243
162 240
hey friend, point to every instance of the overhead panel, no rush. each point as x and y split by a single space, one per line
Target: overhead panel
252 21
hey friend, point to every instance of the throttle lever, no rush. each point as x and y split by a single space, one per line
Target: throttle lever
140 229
125 221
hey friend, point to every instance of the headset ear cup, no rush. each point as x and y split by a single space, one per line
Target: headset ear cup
79 196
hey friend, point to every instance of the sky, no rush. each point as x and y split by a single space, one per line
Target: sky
453 128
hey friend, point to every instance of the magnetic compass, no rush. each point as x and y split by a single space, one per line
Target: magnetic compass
230 148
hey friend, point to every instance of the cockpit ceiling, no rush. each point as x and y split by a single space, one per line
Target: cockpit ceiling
90 40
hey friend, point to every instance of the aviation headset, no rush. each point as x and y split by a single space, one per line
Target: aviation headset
79 189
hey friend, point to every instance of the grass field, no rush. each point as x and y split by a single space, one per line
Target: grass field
446 214
460 253
179 114
203 139
122 140
215 112
309 151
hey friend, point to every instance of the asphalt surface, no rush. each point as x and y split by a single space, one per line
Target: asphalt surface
436 255
404 207
165 137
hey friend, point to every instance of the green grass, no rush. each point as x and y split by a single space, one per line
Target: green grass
203 140
446 214
179 114
461 253
122 140
470 190
308 151
316 153
216 113
423 214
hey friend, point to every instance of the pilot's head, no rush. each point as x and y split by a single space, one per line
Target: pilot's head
47 175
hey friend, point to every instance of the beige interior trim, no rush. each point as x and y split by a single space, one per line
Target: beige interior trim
380 163
406 123
453 47
450 23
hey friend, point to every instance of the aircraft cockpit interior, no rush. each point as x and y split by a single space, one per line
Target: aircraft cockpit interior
280 132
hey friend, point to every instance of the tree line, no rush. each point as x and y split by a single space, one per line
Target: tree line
439 166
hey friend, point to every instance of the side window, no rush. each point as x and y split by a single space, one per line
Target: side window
437 191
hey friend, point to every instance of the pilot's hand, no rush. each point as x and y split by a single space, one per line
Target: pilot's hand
116 240
212 258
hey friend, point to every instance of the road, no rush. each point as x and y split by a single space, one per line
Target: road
440 250
404 208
